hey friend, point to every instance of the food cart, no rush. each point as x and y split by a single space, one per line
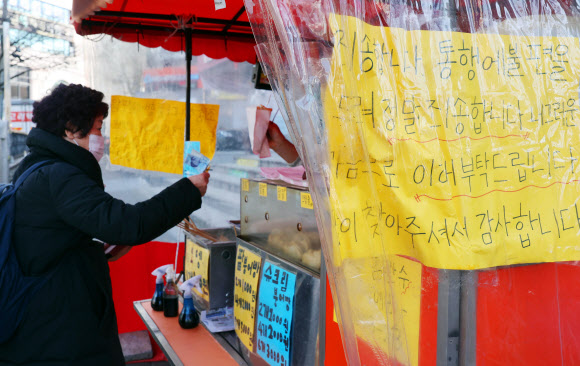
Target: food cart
439 148
260 235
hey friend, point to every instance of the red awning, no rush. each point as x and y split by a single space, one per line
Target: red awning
162 23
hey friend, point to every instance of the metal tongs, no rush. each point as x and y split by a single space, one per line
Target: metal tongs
188 225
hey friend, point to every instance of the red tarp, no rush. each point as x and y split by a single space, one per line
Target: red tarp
132 280
215 33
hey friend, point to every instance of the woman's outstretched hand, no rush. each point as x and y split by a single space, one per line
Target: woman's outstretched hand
200 181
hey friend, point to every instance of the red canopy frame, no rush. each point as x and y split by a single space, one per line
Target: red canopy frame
215 33
196 28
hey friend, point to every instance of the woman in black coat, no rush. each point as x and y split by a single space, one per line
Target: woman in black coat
60 208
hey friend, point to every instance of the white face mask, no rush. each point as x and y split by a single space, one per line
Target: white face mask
97 146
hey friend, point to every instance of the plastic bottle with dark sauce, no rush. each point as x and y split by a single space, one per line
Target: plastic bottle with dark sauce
170 295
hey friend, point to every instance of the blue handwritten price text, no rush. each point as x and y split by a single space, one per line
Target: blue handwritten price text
275 312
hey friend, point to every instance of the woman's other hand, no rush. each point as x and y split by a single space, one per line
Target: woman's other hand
117 252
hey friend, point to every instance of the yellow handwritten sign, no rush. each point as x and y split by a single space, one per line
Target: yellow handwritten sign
149 133
281 191
460 150
263 189
245 185
391 317
403 294
248 267
306 200
197 263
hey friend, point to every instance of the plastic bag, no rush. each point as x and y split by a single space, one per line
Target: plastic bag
440 144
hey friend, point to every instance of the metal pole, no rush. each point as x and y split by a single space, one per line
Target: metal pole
448 318
4 151
468 319
5 126
6 59
188 90
324 292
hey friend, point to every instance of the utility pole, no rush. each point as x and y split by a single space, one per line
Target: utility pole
5 124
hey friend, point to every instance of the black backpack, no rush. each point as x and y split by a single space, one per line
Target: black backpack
16 290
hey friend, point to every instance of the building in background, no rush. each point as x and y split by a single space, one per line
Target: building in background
44 51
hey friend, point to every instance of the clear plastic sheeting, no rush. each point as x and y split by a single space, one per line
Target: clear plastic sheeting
130 70
440 140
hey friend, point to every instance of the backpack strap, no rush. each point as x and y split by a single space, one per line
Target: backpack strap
29 171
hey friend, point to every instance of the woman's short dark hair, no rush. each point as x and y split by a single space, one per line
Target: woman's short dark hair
69 107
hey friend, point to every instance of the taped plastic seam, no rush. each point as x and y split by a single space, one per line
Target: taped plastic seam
436 136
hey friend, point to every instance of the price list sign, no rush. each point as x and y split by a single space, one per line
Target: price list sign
275 311
248 267
197 263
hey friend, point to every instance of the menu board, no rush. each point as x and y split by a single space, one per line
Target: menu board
281 193
275 311
197 263
248 267
306 200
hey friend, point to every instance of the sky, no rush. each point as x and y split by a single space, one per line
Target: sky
62 3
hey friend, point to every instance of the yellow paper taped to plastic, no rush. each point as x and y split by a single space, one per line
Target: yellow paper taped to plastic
405 284
391 313
197 263
460 150
248 267
149 134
